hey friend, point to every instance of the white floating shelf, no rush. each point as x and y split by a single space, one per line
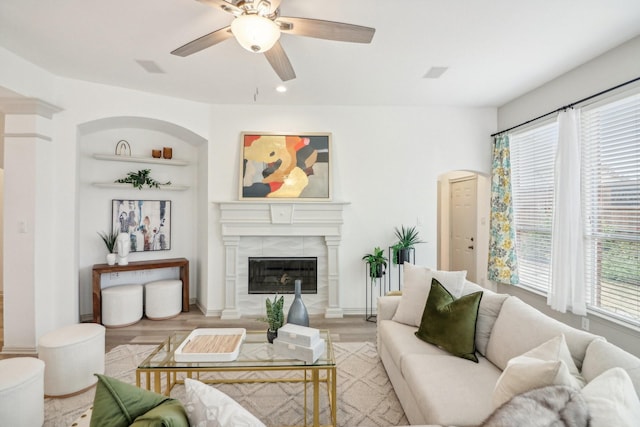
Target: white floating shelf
114 158
171 187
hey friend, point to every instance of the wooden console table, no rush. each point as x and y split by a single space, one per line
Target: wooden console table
99 269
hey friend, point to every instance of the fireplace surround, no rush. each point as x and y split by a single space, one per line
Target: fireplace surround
306 221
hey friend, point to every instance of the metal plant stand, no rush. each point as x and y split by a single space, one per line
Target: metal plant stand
370 282
412 259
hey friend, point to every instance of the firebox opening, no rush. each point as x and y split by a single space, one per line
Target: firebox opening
270 275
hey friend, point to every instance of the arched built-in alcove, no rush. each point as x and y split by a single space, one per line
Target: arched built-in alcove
187 170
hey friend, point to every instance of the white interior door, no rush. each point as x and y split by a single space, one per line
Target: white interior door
462 245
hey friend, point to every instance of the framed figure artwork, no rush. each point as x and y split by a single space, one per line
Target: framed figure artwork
289 166
147 222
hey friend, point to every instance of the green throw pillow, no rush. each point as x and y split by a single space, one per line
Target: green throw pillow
450 323
118 404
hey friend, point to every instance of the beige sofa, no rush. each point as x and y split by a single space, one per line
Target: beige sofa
435 387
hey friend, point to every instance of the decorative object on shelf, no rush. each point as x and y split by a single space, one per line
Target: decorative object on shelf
123 148
275 316
167 152
146 222
298 314
407 238
156 154
285 166
140 179
123 246
377 263
109 239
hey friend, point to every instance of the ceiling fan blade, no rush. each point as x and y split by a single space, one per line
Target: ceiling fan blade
280 62
327 30
224 5
204 42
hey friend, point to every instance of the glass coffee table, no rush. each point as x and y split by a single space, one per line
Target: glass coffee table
160 372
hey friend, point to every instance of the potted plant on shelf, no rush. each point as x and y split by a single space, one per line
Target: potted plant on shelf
275 316
140 179
377 263
407 238
109 239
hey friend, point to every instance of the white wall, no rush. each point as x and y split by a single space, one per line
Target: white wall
615 67
386 163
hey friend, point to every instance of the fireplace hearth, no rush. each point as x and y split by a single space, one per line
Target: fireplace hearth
270 275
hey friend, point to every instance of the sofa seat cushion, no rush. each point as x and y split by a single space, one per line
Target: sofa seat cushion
520 327
400 340
451 390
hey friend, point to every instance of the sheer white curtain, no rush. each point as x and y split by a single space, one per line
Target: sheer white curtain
567 287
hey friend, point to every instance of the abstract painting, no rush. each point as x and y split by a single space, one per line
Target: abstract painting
285 166
147 222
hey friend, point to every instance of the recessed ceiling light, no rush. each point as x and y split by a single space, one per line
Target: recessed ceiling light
435 72
281 89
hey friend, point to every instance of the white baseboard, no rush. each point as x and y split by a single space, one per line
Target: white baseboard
20 350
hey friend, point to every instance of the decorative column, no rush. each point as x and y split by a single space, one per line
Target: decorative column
333 259
230 278
28 238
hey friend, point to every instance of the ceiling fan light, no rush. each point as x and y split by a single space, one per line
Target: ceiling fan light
255 33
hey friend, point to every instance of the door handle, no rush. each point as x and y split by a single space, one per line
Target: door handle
470 247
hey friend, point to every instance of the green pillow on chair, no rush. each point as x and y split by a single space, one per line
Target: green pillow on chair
118 404
450 323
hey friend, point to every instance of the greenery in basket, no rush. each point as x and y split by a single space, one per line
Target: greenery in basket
275 313
109 239
377 262
141 178
407 237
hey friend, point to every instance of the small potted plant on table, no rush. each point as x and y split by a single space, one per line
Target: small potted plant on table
275 316
109 239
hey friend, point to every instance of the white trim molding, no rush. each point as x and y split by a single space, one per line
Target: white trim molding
288 219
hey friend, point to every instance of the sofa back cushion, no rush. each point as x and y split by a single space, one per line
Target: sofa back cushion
520 327
602 356
490 306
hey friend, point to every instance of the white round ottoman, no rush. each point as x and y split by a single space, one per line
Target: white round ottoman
163 299
121 305
22 392
72 355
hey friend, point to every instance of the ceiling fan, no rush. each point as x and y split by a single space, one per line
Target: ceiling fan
257 27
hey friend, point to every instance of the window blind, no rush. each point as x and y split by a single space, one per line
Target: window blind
532 159
611 197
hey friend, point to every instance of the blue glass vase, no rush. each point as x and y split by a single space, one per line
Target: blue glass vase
298 314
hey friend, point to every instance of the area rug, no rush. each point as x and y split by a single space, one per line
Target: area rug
365 395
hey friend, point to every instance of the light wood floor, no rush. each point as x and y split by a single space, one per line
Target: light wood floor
349 328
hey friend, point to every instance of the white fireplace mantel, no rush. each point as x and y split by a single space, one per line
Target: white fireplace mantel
280 218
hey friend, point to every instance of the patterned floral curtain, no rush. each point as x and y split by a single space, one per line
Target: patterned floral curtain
503 264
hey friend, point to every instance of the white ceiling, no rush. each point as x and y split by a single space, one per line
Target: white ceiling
496 50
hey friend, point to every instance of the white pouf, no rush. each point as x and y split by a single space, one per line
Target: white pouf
121 305
72 355
22 392
163 299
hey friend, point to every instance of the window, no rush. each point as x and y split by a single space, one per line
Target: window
611 194
532 157
610 137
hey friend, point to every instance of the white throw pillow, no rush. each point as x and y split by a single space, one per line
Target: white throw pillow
612 400
415 290
548 364
207 406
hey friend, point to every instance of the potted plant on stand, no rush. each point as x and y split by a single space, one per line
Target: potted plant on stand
275 316
109 239
407 238
377 263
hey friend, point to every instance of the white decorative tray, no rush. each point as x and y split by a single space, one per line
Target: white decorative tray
211 345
